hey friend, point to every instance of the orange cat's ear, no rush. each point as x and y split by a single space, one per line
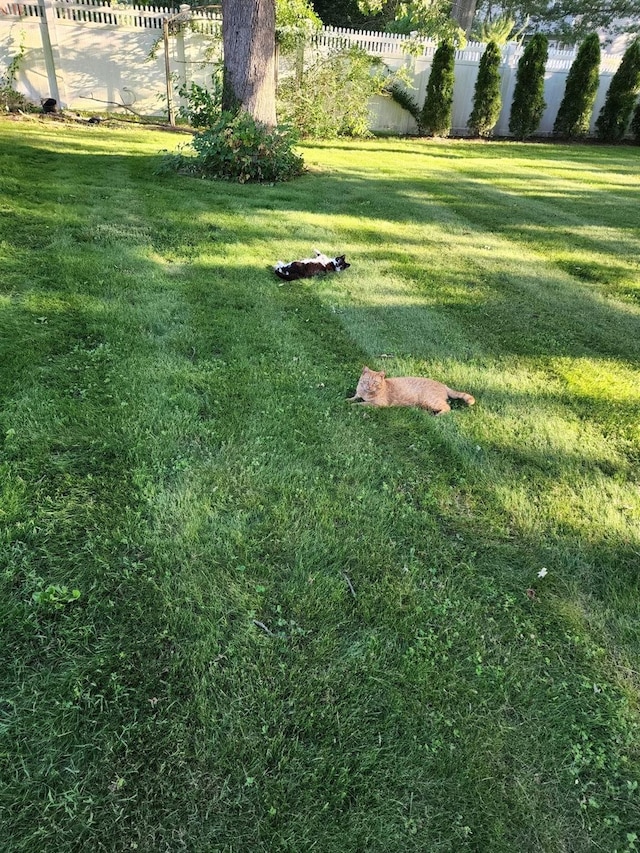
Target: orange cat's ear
382 374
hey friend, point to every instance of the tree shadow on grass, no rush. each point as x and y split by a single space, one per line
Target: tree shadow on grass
531 315
545 312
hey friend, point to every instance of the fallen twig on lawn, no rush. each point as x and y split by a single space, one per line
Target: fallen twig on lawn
349 584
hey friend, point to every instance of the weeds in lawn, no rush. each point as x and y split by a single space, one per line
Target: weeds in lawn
239 614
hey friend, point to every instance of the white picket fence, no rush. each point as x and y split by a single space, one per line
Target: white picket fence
391 48
96 54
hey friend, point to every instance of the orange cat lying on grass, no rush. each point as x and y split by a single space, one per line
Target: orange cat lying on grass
374 389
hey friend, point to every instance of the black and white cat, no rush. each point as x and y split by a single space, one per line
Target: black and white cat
308 267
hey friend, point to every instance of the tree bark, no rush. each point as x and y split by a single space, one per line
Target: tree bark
463 11
249 40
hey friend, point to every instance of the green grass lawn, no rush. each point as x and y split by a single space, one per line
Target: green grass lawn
239 614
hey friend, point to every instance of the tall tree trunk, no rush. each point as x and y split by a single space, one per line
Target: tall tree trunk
249 39
463 11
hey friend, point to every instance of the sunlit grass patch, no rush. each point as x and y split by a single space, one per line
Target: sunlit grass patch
601 380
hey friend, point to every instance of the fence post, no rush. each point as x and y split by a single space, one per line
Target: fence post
167 73
181 50
51 50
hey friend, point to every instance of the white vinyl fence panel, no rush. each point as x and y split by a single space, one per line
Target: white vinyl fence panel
94 55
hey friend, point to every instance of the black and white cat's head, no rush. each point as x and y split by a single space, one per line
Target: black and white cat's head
308 267
340 263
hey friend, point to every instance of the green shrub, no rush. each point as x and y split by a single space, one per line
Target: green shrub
487 100
331 97
203 105
436 112
635 124
615 114
528 97
237 148
574 114
11 100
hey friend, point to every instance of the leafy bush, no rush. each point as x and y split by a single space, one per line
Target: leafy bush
574 113
330 98
614 117
238 148
11 100
203 105
635 124
436 112
487 100
528 96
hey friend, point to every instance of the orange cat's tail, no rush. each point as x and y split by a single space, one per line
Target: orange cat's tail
461 395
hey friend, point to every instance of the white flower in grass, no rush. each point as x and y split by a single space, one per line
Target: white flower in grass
542 573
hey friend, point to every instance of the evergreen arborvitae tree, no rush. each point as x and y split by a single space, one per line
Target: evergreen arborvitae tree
487 100
528 97
635 124
574 114
436 112
614 117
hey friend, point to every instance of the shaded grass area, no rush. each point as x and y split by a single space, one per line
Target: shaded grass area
302 625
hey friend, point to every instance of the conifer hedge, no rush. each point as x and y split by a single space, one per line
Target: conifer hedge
528 97
436 112
574 114
635 124
487 99
614 117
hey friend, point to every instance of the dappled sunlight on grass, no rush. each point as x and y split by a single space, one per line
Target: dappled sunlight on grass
547 443
575 516
599 379
50 304
609 240
50 137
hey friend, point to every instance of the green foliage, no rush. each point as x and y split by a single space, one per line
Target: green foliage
345 13
613 120
238 148
428 18
204 104
10 99
296 20
436 111
497 30
570 21
55 596
330 98
635 124
528 97
399 94
574 114
487 99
